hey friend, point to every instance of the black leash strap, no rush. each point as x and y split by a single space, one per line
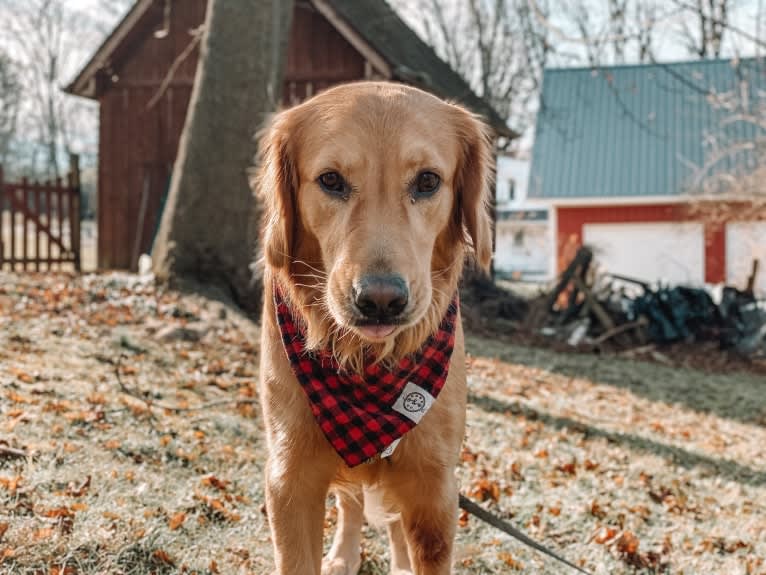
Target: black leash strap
481 513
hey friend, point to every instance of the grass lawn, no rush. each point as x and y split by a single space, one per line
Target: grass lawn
138 410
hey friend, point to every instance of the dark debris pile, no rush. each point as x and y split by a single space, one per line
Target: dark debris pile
621 312
485 306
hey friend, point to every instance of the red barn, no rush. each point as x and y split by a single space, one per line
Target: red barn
143 73
620 153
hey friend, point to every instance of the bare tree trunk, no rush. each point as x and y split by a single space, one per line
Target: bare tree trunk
645 14
10 100
204 231
618 15
712 18
583 19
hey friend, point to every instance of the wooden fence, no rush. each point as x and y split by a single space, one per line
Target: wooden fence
40 223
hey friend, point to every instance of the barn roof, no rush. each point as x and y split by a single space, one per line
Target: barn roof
413 61
406 57
641 130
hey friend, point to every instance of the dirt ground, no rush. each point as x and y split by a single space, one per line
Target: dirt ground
131 443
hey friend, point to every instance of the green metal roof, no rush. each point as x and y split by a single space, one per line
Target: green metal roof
641 130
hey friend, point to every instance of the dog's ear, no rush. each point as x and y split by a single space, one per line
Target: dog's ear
473 183
276 184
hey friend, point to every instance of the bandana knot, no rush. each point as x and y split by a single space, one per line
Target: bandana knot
366 414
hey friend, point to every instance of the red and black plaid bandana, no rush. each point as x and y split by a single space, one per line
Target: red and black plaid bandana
363 415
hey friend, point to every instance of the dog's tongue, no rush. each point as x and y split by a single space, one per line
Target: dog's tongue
377 331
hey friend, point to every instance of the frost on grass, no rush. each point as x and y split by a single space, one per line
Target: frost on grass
624 467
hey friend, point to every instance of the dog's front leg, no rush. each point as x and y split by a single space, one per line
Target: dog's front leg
295 501
400 554
429 504
344 557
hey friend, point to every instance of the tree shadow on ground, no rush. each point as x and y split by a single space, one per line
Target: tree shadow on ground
736 396
687 459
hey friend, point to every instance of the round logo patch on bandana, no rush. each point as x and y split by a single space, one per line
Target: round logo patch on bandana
414 402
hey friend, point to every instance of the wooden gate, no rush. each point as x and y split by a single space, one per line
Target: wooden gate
40 223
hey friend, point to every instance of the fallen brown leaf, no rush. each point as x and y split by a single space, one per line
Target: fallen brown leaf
10 484
628 543
163 557
43 533
604 535
177 520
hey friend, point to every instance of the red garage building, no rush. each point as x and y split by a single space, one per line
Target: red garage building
622 155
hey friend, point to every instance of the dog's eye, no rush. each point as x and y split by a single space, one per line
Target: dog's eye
426 185
333 183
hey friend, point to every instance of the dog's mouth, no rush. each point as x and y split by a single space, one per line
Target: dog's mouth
376 329
376 332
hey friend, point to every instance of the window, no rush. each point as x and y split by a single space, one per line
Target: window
511 190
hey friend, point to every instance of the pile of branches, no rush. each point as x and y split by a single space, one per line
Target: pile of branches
596 310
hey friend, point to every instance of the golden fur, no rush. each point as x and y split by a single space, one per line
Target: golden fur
378 136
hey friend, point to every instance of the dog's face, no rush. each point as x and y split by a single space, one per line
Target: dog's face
370 190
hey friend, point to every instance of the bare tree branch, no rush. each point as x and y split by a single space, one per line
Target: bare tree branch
196 36
10 99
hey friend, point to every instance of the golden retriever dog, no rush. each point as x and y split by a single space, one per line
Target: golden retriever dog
373 195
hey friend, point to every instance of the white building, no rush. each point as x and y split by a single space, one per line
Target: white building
523 239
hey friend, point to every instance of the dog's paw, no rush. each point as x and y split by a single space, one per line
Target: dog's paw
340 566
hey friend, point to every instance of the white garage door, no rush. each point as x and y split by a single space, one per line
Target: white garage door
668 252
745 241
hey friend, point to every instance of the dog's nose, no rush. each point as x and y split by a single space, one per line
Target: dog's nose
381 297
